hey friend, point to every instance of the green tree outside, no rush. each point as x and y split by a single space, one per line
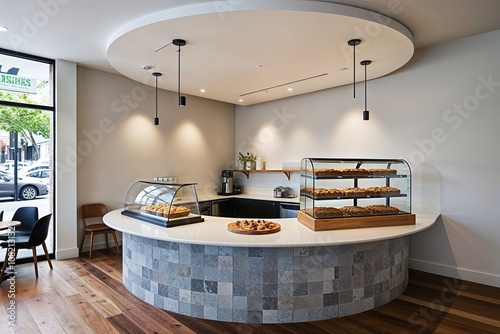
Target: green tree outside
27 122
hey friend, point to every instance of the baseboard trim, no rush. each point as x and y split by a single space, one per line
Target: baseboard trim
66 253
455 272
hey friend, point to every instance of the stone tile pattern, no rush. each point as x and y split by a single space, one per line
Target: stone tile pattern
265 285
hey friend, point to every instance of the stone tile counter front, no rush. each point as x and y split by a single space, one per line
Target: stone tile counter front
264 279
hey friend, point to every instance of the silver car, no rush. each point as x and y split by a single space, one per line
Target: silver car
29 187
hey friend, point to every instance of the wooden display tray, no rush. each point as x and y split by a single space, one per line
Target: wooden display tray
233 228
341 223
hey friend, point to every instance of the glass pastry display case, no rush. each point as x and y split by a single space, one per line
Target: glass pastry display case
164 204
337 191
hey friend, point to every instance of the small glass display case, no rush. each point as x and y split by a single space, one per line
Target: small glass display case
347 193
162 203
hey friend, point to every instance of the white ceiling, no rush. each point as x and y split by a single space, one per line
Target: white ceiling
291 40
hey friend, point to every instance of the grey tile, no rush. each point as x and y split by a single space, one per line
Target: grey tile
239 315
270 303
285 276
225 251
239 302
285 316
225 314
270 290
255 252
300 289
285 303
270 276
211 250
285 290
254 303
254 316
300 315
211 286
270 316
225 288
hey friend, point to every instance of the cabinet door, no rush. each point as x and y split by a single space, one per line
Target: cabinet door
250 208
223 208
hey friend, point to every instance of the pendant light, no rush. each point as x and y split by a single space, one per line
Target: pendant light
156 75
182 99
353 43
366 113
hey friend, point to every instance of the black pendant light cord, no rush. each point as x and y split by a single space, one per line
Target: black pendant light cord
156 90
366 113
365 90
156 120
179 74
353 43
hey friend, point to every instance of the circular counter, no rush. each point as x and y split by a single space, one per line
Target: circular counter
296 275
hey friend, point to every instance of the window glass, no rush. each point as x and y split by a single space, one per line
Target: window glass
26 81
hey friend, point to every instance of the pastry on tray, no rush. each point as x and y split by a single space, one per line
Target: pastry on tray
253 226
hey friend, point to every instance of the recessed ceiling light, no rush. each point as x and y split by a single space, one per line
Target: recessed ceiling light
2 28
202 90
343 68
258 65
290 89
241 100
147 67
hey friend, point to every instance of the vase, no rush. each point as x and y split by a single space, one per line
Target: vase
248 165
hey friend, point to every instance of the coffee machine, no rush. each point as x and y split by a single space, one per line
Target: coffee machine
227 182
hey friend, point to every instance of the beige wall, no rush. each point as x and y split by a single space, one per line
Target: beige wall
119 145
441 113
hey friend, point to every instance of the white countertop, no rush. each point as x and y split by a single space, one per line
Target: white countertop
250 196
213 231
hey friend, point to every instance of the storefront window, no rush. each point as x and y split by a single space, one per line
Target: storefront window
26 137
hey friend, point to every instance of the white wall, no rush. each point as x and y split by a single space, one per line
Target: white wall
65 194
440 114
118 144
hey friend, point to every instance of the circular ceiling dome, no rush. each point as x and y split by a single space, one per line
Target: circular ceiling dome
257 51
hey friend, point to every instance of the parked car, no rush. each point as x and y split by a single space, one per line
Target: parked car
8 166
43 174
28 169
29 187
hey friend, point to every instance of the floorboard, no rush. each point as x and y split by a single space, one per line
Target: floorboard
87 296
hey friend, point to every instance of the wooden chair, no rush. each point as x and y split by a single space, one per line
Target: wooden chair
36 238
96 210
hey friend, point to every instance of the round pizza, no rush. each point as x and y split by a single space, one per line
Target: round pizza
253 226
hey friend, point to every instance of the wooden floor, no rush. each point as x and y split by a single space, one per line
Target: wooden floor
87 296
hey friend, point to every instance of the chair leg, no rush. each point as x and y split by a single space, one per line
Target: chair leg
91 244
47 254
107 241
81 243
35 261
5 261
116 241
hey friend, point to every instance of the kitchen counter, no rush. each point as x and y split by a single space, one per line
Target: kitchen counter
296 275
250 196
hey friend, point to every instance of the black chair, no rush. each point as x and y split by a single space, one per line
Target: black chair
1 215
28 216
36 238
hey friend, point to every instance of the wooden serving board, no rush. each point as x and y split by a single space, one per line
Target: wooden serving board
324 224
232 227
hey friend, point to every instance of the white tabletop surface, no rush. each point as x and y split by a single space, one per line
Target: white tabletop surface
213 231
4 225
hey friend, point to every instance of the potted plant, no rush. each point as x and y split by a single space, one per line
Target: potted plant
247 160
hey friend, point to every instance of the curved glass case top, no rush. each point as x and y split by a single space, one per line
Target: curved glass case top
164 204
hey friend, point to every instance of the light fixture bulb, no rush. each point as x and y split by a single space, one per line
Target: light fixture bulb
3 29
